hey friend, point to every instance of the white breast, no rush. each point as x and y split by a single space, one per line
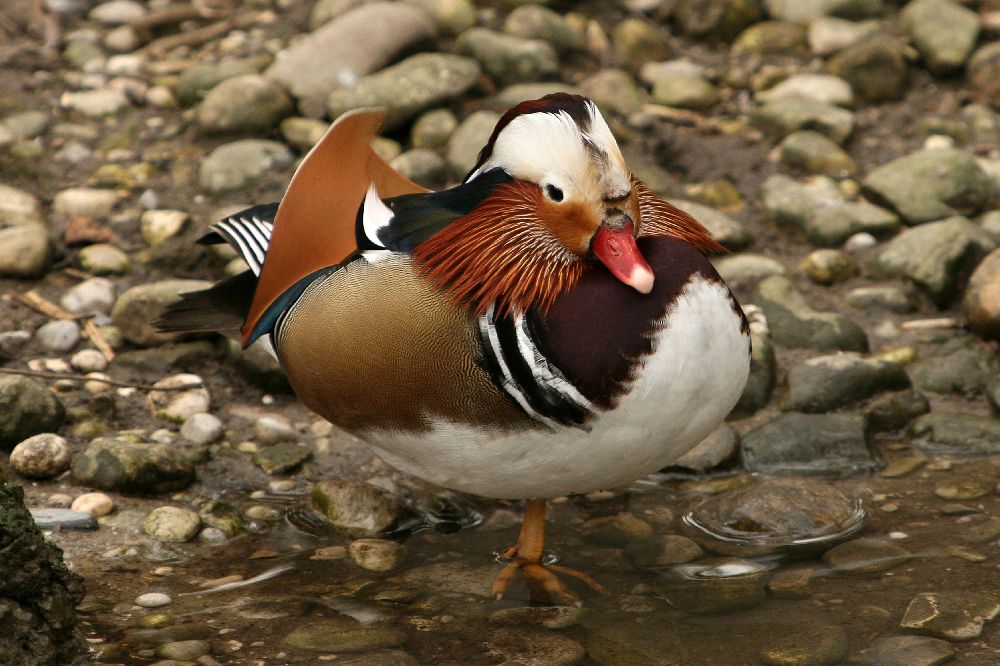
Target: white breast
687 386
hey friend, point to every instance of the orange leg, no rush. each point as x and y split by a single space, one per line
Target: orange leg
526 556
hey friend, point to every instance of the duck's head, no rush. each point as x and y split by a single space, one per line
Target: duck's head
565 201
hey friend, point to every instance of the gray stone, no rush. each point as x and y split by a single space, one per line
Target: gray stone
527 646
805 643
41 456
58 335
615 531
104 259
718 448
89 360
793 323
19 207
651 71
95 103
189 650
377 554
506 58
423 166
953 615
637 42
717 585
982 297
895 410
613 90
82 52
907 651
809 444
25 251
153 600
420 82
930 185
433 128
772 38
901 300
813 152
136 309
944 32
38 593
247 103
791 203
865 556
29 408
281 458
983 71
828 35
959 366
824 88
172 524
938 256
84 202
763 371
803 11
954 434
182 396
93 296
193 83
273 429
359 509
825 383
342 633
537 22
303 133
466 142
340 53
550 617
12 342
723 228
716 19
744 270
63 519
450 17
114 464
202 428
983 123
233 166
685 92
783 115
829 267
662 550
24 125
875 67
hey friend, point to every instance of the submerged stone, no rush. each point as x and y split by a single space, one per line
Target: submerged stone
359 509
719 585
955 434
342 633
794 443
864 556
957 616
907 651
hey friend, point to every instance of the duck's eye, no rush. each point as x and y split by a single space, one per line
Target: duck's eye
554 192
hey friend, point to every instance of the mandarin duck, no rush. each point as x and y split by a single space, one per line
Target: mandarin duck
549 326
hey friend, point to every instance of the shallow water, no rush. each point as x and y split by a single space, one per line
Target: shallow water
438 606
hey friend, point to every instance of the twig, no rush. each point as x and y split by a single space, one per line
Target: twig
103 380
91 331
40 304
201 35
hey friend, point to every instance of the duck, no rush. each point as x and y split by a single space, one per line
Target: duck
549 326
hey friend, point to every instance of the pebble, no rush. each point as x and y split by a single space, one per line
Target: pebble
825 383
63 519
828 35
247 103
41 456
104 259
179 405
662 550
158 226
791 583
114 464
153 600
92 296
794 323
189 650
172 524
865 556
981 303
820 87
95 103
360 509
907 651
202 428
233 166
25 251
58 335
281 458
273 429
29 408
96 504
964 490
89 360
376 554
526 646
956 615
341 633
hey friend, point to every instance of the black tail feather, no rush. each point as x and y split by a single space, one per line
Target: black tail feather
221 308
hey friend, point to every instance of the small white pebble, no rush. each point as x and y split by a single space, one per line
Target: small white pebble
96 504
282 486
938 142
163 571
162 436
89 360
898 535
267 400
153 600
859 241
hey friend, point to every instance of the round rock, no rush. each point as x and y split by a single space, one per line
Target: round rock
29 408
153 600
179 405
377 554
248 103
202 428
42 456
96 504
865 556
172 524
92 296
58 335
